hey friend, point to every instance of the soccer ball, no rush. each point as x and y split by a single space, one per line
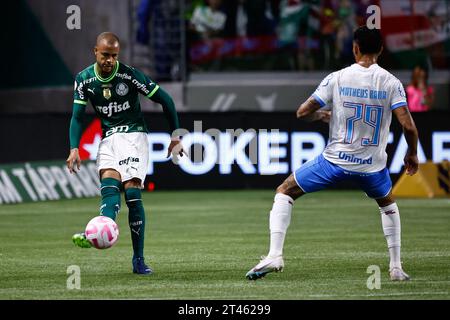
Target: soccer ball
102 232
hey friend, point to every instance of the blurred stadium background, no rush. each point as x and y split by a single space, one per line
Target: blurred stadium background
251 73
264 59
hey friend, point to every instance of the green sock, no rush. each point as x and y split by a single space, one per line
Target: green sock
110 205
136 219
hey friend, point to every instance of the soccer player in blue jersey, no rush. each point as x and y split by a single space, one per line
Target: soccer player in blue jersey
113 89
362 98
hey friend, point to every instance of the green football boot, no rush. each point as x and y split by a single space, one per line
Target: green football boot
80 240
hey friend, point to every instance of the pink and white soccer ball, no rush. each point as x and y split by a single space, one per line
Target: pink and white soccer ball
102 232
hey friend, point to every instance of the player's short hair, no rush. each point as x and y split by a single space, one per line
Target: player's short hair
109 37
368 40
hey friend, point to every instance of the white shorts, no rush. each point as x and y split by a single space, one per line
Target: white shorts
126 153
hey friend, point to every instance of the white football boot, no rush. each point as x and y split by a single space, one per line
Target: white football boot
266 265
397 274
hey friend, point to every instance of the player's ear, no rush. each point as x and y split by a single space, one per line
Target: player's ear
355 49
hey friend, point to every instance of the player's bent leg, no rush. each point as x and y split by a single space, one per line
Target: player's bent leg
280 215
110 203
280 218
390 220
379 187
110 188
136 220
385 201
290 188
316 174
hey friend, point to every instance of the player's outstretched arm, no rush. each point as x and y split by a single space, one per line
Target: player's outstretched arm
411 136
164 99
75 131
309 111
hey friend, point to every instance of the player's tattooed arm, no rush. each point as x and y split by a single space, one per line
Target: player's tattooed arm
309 111
411 136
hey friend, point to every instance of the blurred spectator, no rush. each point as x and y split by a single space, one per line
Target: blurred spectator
346 24
260 19
292 12
286 34
162 35
299 21
144 13
208 21
328 30
248 18
420 94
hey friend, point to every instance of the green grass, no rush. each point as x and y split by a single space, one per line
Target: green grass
201 244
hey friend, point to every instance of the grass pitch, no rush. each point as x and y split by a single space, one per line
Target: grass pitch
201 244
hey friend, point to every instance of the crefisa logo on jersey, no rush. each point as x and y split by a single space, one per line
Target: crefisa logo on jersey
128 160
113 107
121 89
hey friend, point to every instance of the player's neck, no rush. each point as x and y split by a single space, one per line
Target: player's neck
103 74
367 60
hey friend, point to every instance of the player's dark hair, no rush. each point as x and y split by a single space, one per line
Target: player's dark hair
368 40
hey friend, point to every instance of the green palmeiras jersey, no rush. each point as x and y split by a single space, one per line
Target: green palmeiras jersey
115 99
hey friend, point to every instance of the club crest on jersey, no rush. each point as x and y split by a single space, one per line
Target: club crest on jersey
121 89
106 93
107 90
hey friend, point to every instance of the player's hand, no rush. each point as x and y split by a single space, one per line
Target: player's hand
411 164
73 160
175 147
324 116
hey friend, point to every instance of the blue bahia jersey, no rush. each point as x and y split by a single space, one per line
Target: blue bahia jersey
361 101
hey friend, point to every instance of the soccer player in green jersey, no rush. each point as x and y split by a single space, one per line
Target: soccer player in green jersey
122 160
